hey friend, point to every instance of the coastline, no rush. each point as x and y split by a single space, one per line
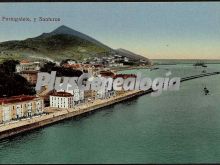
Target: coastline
54 115
11 129
117 69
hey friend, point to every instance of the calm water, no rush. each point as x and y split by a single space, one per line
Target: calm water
176 127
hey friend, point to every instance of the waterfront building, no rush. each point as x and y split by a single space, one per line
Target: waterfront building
89 95
124 76
17 107
105 93
61 100
107 73
116 65
78 94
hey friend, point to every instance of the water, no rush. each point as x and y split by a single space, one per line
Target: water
176 127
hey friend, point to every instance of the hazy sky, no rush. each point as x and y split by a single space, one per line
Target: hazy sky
155 30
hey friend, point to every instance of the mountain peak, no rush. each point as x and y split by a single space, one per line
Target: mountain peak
63 26
63 30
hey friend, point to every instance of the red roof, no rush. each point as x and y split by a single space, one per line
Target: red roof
15 99
124 76
98 65
71 65
62 94
87 65
107 73
24 62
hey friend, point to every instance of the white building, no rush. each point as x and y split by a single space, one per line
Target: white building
116 64
78 95
71 62
27 66
61 100
126 59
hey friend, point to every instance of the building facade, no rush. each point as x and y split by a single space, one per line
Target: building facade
61 100
25 65
105 94
78 94
17 107
30 76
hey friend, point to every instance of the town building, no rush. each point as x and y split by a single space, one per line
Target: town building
17 107
28 70
107 73
26 65
89 95
126 59
105 93
73 66
30 76
71 62
116 65
61 100
77 93
124 76
86 68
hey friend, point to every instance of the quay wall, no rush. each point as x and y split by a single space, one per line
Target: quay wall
54 119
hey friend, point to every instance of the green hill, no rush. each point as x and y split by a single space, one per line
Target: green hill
62 43
57 47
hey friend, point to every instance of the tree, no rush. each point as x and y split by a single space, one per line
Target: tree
48 67
60 71
13 84
9 66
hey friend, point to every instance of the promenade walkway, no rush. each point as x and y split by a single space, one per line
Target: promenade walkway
63 113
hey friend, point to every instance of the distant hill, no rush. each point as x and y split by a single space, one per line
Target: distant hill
62 43
130 55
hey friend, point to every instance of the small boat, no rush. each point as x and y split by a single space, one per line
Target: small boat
200 63
154 68
206 91
204 66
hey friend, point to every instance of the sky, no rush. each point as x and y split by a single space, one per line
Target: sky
157 30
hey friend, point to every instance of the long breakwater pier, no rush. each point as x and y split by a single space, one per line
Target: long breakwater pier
198 76
21 126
